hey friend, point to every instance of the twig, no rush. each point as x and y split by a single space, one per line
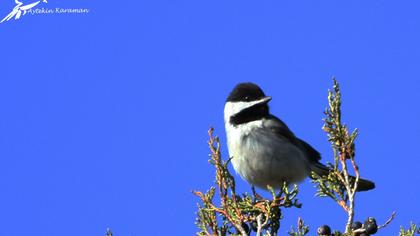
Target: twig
388 221
343 205
357 231
356 171
259 225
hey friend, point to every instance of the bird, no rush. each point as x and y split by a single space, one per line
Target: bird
262 148
18 10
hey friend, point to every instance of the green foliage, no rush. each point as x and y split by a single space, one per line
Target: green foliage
301 230
413 229
239 214
338 184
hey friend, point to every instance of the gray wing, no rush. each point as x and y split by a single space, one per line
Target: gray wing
281 130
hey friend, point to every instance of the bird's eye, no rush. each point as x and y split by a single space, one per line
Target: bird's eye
246 98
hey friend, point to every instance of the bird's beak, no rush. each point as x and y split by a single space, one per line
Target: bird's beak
258 102
264 100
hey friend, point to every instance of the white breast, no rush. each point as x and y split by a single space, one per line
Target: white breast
262 158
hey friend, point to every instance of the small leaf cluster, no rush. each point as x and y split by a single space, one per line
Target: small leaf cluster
301 229
337 184
411 231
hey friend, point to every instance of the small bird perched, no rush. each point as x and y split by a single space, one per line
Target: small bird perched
263 149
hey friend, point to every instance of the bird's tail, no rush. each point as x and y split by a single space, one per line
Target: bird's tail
363 185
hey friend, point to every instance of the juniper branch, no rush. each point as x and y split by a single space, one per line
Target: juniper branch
234 211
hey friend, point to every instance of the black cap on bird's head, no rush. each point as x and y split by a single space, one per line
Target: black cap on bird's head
247 102
246 92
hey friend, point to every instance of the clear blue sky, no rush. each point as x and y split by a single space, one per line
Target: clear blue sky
104 116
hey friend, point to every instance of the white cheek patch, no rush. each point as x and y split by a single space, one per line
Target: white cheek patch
233 108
